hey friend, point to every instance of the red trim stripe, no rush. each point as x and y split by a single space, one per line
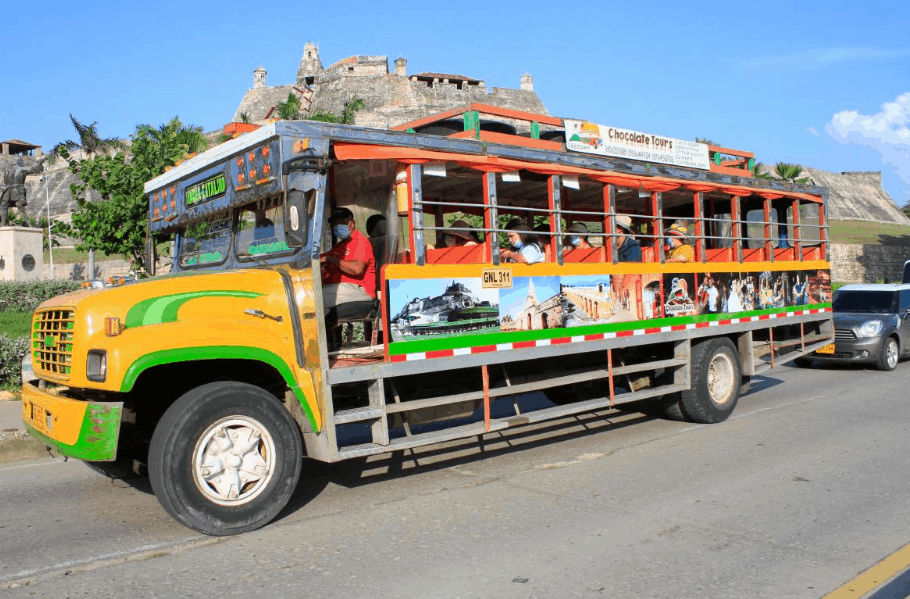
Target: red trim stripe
652 330
483 349
523 344
678 327
701 325
596 337
624 333
560 341
441 353
398 358
764 317
725 322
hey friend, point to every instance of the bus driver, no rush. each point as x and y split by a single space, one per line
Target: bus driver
348 270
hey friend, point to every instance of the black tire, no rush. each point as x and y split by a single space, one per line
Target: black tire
257 428
888 355
716 382
803 362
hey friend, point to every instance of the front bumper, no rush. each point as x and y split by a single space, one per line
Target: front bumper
851 351
76 428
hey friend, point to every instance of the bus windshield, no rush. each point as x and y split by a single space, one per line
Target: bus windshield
205 243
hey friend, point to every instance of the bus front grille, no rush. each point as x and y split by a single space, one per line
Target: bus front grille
52 342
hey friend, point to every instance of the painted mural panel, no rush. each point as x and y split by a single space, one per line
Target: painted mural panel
432 308
533 303
446 314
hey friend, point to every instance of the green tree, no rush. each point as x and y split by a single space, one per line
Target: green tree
91 144
790 172
290 110
117 224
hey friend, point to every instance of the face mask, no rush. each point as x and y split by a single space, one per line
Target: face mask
341 231
450 241
518 244
576 241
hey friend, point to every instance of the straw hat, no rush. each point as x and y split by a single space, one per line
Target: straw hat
679 230
624 221
460 224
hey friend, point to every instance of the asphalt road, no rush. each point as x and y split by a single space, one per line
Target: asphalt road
802 489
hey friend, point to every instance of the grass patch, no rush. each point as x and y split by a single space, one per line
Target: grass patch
15 324
74 256
861 231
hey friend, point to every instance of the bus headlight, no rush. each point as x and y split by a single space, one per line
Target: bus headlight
96 365
870 328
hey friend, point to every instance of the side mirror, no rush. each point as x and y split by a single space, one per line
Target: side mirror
295 218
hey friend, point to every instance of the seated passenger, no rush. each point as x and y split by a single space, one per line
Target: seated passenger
627 247
526 246
456 238
348 270
680 250
579 241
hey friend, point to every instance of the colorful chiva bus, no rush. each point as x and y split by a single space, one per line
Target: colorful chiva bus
222 376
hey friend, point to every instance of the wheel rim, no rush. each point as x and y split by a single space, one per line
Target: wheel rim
892 353
234 460
720 379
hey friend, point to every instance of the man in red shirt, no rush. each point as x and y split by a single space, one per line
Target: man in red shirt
348 270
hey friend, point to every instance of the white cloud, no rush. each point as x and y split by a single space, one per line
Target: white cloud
886 132
826 56
813 130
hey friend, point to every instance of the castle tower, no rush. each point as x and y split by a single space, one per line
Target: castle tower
401 66
310 65
259 77
531 301
527 83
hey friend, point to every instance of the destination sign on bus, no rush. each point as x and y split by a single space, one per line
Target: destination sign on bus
207 190
591 138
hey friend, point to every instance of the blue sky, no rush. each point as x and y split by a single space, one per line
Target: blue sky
825 84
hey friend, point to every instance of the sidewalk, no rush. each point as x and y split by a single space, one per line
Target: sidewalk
11 415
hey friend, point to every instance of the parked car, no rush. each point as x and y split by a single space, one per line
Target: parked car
871 325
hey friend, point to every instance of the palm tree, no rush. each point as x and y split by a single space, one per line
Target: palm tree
350 108
91 144
790 172
760 171
289 110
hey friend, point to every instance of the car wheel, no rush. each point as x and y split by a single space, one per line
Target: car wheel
225 458
889 355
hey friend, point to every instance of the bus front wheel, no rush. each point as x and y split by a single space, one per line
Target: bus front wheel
225 458
715 384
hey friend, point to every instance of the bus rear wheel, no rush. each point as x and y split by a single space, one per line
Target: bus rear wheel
225 458
715 384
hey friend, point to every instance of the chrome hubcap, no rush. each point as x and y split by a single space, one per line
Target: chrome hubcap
234 460
892 353
720 379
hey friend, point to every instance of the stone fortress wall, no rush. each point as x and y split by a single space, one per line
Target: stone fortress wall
391 97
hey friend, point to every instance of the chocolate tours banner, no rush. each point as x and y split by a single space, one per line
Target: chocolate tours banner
591 138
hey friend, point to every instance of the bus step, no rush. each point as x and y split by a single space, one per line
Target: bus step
358 415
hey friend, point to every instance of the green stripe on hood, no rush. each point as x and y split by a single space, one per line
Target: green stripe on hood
157 310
